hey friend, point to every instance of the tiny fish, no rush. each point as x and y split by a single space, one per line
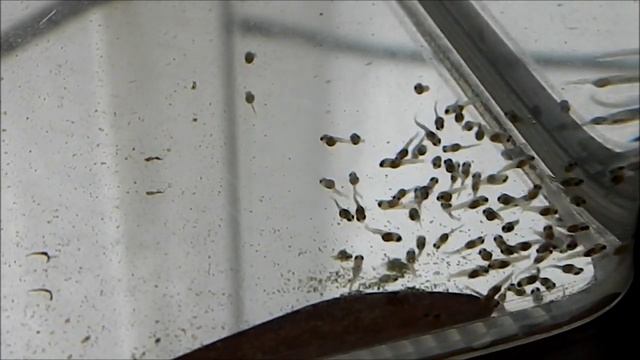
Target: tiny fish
387 236
541 257
388 204
478 271
331 140
400 194
420 88
476 181
472 203
404 152
343 255
356 270
547 283
397 266
330 184
472 273
355 139
449 165
512 116
576 228
571 166
249 98
536 295
479 134
414 214
439 120
571 182
605 81
343 213
595 250
249 57
457 106
491 214
444 237
458 117
421 243
470 244
396 163
528 280
485 254
154 192
516 290
85 339
500 138
518 163
510 226
616 118
436 162
428 133
420 194
353 180
455 147
533 193
411 257
151 158
361 215
571 245
389 278
468 125
497 264
577 200
496 179
447 195
569 269
419 149
547 233
446 207
465 171
544 210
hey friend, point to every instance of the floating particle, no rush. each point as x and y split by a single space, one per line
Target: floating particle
40 254
42 292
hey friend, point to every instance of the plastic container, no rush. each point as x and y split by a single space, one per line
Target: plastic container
167 157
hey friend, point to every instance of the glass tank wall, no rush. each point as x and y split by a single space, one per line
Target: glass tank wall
176 172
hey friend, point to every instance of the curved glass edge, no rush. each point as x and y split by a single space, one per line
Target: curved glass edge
554 135
510 329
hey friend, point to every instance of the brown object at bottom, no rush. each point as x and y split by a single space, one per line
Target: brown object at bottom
348 323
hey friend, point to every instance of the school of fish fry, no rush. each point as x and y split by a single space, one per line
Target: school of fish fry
510 246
